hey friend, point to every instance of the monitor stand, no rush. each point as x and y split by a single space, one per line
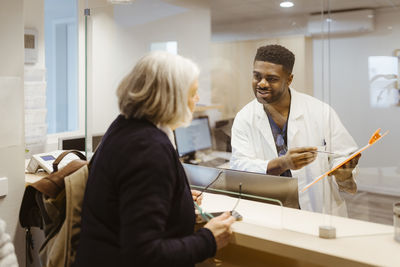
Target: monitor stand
190 158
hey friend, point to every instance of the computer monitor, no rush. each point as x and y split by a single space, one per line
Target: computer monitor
195 137
78 142
284 189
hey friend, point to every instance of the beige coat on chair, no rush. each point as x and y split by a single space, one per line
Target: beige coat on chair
60 250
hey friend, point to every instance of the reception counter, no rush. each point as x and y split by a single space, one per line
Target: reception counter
270 235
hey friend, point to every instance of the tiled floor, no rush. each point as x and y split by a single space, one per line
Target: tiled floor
371 207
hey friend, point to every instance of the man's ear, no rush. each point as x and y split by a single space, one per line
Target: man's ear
290 79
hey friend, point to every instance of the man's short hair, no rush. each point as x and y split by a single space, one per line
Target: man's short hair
157 89
276 54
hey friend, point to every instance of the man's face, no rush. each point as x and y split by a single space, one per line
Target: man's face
270 82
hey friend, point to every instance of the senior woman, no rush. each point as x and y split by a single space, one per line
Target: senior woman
138 208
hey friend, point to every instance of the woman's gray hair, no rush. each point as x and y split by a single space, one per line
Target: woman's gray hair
157 89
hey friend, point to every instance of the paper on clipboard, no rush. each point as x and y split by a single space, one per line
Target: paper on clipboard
374 138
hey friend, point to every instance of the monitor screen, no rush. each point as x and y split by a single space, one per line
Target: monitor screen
284 189
197 136
78 142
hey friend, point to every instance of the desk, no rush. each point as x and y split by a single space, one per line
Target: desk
215 154
30 178
275 236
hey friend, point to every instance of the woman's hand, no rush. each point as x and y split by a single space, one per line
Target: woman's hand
197 196
221 228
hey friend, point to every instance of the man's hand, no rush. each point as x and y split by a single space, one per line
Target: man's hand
294 159
344 176
297 158
345 172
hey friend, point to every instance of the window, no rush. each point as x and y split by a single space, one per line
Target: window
171 47
61 51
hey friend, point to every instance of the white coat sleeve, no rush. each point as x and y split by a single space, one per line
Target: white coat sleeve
340 141
243 154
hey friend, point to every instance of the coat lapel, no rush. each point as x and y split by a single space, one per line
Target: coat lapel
263 126
295 116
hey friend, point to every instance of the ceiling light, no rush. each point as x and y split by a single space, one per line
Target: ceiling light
286 4
116 2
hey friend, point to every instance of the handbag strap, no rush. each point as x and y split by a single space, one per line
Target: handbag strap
62 155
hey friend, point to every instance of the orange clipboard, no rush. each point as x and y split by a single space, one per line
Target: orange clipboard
374 138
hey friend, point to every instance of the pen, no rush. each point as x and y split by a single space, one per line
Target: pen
327 152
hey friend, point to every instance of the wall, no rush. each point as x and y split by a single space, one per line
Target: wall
118 39
12 155
34 18
284 25
232 65
349 95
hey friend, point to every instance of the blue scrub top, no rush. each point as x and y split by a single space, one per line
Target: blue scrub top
280 138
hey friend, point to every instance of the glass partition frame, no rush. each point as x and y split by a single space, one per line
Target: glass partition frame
326 87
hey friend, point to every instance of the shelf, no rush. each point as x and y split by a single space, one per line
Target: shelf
204 108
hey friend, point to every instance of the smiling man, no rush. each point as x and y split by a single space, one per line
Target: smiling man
281 132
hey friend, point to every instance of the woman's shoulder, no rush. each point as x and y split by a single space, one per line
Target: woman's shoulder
132 142
135 133
135 147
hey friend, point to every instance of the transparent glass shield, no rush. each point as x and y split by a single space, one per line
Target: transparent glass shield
85 19
92 14
361 86
247 208
324 184
340 69
116 35
238 192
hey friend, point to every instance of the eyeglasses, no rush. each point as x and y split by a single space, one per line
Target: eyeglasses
208 216
234 213
213 181
238 200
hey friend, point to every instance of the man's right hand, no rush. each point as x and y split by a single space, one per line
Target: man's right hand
297 158
294 159
221 228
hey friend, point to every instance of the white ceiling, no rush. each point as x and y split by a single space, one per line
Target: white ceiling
225 12
236 11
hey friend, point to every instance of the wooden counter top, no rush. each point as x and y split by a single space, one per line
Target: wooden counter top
294 234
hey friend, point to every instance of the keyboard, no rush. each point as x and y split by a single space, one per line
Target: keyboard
213 162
